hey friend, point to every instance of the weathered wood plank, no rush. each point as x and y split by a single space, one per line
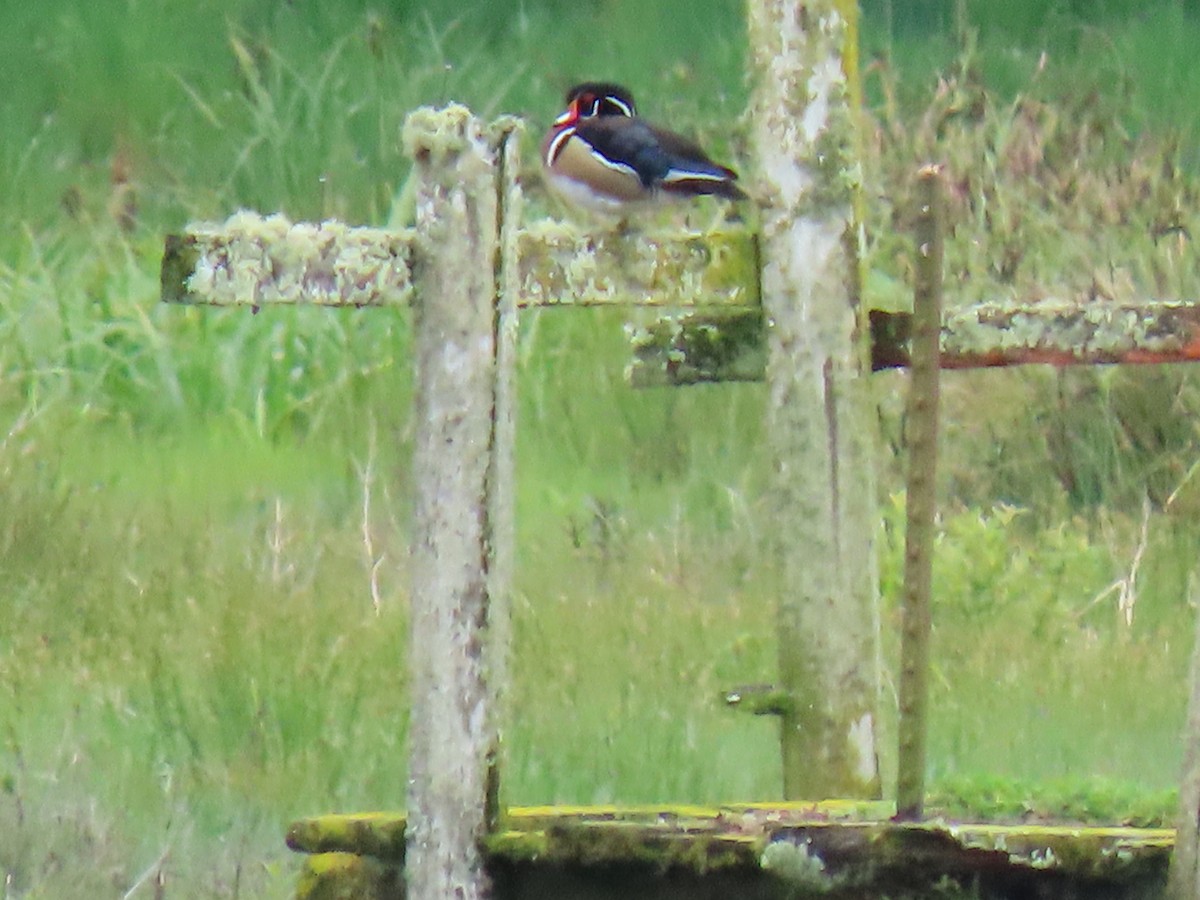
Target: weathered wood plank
820 846
255 260
694 348
562 265
1049 333
699 347
1064 334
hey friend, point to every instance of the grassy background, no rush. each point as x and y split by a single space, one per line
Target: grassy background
189 652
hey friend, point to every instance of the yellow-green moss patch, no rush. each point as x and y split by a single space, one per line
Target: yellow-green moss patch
380 835
347 876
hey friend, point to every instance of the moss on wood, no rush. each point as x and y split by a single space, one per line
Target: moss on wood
699 347
590 835
255 260
830 848
346 876
562 265
370 834
703 347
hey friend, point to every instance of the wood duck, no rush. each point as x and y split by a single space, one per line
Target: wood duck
599 98
602 156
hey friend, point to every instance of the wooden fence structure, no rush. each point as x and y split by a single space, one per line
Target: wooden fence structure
781 303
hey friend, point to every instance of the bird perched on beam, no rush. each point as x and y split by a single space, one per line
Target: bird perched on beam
602 156
601 98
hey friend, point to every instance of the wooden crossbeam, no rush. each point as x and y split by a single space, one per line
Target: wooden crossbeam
698 347
561 265
1053 333
253 260
846 842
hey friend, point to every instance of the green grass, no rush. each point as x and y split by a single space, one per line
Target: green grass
189 653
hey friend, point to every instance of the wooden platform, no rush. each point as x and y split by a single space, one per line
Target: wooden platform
830 849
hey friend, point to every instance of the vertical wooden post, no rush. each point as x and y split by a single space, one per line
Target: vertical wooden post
502 480
921 500
819 412
456 540
1183 881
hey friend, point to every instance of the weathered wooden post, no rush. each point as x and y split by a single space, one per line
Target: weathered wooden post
921 500
808 173
459 533
1183 882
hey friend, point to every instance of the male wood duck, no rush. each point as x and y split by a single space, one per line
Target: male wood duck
601 155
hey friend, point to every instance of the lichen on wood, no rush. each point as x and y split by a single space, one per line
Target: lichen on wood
564 265
818 404
1059 333
693 348
696 347
255 260
453 737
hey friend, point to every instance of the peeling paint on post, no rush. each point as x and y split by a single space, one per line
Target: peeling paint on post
454 735
804 140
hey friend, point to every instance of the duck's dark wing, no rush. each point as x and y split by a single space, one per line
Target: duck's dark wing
661 159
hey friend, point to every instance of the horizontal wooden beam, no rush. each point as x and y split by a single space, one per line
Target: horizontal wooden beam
1050 333
253 260
711 277
561 265
696 347
828 844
